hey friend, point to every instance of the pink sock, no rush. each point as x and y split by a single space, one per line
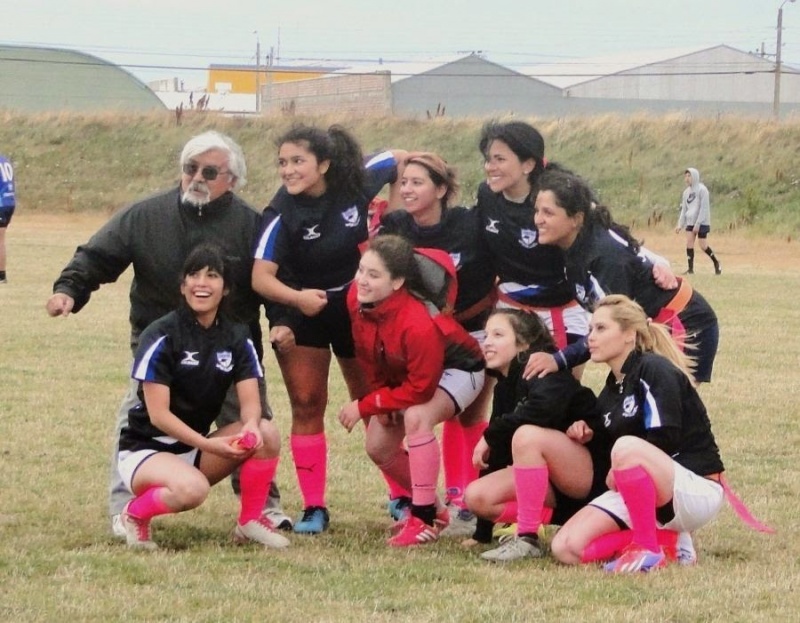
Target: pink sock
508 514
638 491
423 459
453 450
397 474
609 545
606 546
472 435
149 504
531 484
310 453
255 478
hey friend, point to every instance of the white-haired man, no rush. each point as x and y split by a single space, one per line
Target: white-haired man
155 235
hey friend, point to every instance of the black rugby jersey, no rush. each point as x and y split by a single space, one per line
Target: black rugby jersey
197 364
459 235
657 402
314 240
530 273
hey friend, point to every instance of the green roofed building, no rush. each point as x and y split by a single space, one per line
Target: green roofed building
53 80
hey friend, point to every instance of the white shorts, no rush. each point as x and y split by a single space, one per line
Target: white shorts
129 462
575 319
695 500
462 387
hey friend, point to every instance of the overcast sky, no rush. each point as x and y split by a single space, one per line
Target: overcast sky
179 38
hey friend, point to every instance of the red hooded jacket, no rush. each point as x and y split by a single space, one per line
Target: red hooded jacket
400 350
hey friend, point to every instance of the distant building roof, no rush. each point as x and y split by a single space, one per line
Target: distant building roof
50 79
400 70
568 73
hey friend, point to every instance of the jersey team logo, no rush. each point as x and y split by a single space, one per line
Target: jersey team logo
225 361
351 217
629 407
190 358
456 257
528 238
491 226
311 233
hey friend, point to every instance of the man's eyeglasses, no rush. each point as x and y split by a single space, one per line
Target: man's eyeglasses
209 172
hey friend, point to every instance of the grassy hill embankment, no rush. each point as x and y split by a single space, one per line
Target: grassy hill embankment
74 163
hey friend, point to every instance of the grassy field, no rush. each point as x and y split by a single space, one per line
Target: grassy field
62 380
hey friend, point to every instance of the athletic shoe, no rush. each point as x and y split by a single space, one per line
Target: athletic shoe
117 528
315 520
462 522
399 507
440 522
688 272
277 518
137 531
635 558
260 530
504 529
717 269
514 548
414 532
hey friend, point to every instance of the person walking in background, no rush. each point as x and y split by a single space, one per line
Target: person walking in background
422 368
695 219
305 259
184 366
8 203
154 236
428 187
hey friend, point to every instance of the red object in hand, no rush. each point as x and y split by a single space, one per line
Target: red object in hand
247 441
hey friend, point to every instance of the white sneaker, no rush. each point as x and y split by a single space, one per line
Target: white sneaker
686 555
462 522
261 531
117 528
513 548
278 518
137 531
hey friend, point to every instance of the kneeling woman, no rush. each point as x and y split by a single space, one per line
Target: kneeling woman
527 428
665 465
185 364
422 368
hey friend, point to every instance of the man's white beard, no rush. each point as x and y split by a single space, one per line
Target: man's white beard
197 194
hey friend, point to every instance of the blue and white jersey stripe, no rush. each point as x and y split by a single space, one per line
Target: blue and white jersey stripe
144 370
265 249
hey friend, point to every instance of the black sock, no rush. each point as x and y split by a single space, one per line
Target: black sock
690 258
710 253
426 513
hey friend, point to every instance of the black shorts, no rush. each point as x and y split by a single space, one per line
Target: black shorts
704 229
330 328
6 212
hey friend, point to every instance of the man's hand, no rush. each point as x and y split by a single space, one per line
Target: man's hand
60 304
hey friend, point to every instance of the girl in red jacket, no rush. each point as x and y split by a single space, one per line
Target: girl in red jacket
422 368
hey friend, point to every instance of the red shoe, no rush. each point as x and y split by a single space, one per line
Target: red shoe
440 523
414 532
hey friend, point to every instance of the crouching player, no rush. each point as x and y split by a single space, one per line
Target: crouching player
185 364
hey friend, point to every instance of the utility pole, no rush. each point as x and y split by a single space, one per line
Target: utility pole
776 100
258 73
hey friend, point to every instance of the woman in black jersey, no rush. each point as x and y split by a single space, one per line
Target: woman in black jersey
305 259
522 480
665 465
185 363
601 257
427 188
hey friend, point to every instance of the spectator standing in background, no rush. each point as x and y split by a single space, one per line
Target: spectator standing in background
695 218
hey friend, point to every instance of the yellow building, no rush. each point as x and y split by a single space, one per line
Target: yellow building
244 79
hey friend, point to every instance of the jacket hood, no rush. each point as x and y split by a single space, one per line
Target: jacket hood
695 177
